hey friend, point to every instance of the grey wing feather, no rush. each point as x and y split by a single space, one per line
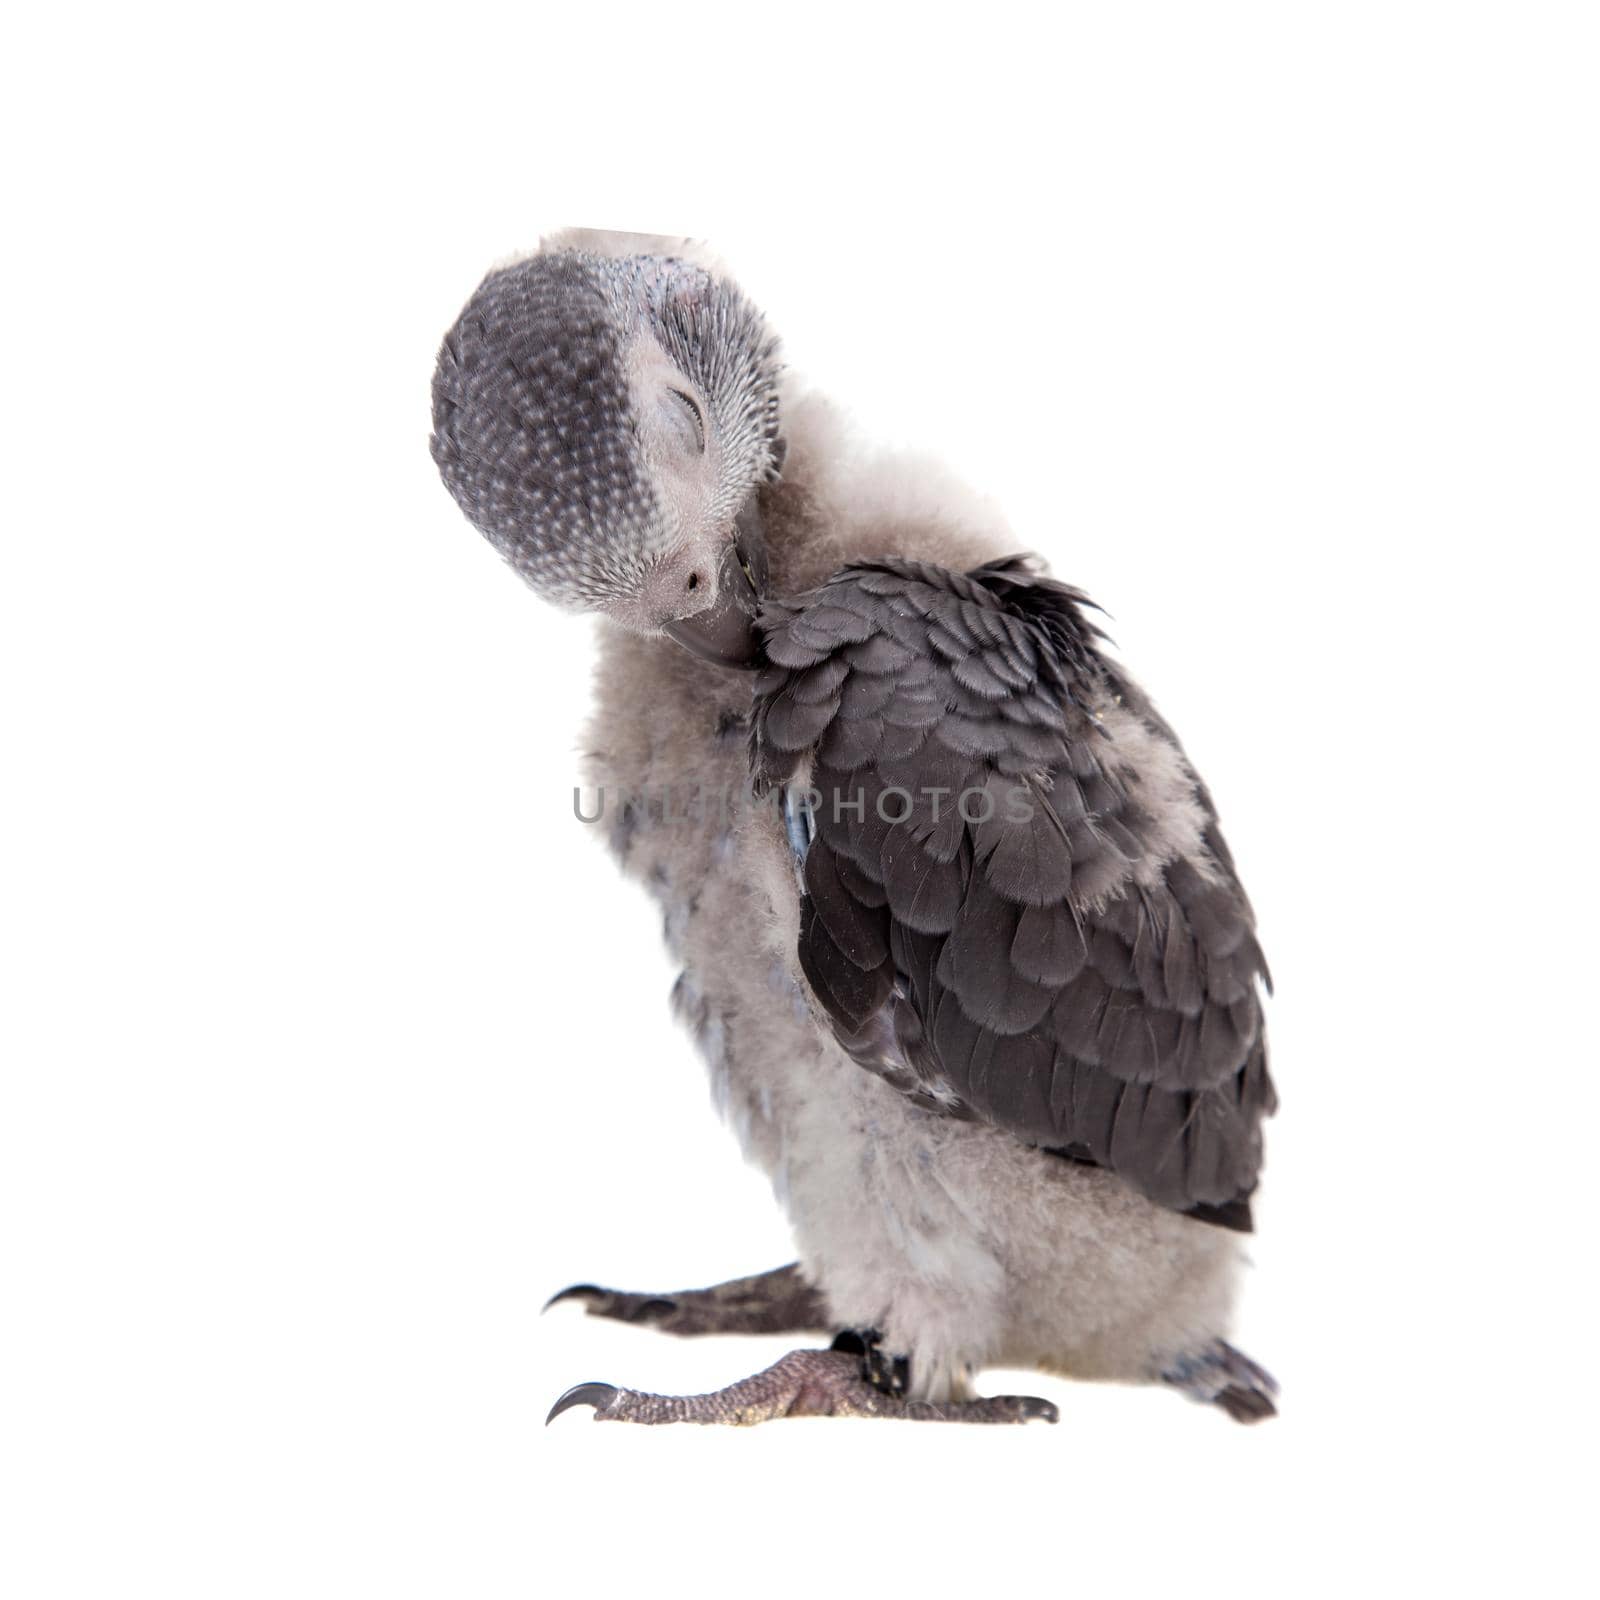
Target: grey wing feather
986 919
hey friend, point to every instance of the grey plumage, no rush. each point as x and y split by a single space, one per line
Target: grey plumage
530 406
561 450
971 891
986 1010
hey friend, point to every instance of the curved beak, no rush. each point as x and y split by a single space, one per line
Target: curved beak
725 632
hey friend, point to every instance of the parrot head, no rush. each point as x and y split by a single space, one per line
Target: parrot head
606 421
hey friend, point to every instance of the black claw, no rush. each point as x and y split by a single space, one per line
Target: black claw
1035 1409
891 1375
600 1302
576 1291
598 1395
1246 1405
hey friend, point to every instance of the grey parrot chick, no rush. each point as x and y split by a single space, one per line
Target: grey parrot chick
969 962
605 423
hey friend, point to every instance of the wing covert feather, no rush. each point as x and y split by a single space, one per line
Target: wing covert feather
994 916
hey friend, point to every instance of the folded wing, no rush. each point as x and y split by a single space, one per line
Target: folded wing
1002 913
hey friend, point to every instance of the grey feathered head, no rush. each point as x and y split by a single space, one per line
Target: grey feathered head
605 420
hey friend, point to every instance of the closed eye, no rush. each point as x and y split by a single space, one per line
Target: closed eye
692 406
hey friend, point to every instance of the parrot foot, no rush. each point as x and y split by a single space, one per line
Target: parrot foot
1219 1375
780 1301
804 1383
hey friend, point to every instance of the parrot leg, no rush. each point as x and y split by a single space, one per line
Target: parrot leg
804 1383
1219 1375
780 1301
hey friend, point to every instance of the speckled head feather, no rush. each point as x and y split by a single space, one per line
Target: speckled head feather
601 418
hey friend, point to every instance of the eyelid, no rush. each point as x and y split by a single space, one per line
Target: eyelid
693 407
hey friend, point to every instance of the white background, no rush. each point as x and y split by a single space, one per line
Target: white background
333 1043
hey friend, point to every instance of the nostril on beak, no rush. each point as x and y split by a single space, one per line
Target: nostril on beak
681 586
688 592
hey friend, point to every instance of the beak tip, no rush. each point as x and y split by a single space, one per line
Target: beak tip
726 635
